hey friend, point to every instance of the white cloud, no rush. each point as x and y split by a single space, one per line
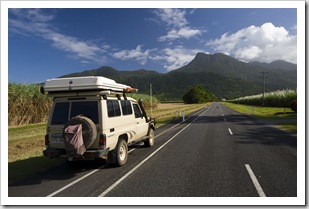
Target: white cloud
71 44
135 54
265 43
177 24
33 15
174 58
172 17
34 22
181 33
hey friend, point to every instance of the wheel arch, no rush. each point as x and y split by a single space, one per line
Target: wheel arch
124 137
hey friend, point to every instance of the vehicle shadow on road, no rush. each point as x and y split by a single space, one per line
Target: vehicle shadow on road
33 170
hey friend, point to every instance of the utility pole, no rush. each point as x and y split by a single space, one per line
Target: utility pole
151 100
264 77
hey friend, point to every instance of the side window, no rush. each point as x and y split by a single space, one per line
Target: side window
126 107
137 111
113 108
60 113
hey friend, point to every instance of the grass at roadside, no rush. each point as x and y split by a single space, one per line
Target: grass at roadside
25 156
26 143
283 118
166 112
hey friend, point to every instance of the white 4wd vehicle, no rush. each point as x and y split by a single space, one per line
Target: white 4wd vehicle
91 117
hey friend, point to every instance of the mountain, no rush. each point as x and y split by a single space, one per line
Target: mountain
277 64
222 75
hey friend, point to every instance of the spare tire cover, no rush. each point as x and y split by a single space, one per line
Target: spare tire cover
88 128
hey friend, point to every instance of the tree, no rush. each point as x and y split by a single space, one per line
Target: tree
197 94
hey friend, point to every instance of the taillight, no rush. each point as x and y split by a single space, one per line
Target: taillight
47 140
102 141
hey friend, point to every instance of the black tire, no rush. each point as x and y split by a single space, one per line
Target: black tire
150 140
88 127
121 152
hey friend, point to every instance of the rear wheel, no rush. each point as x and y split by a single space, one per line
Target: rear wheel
150 141
121 152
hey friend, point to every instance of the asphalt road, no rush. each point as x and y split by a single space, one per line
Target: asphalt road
216 152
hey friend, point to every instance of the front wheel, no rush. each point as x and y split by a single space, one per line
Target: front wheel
150 141
121 153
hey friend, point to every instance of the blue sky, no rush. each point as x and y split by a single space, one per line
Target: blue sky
47 43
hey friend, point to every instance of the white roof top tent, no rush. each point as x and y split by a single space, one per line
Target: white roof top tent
88 83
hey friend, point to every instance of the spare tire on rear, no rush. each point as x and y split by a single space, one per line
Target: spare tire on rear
89 129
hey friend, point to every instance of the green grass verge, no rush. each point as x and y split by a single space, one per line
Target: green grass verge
283 118
26 131
170 113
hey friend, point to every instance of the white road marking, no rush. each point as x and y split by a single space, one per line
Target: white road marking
74 182
230 131
255 181
174 126
146 159
92 172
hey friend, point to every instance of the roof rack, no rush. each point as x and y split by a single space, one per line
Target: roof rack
98 84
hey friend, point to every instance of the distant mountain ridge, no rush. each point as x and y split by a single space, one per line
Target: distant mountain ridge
224 76
277 64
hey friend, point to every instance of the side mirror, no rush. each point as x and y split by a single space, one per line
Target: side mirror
42 91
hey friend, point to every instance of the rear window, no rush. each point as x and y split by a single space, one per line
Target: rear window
63 111
87 109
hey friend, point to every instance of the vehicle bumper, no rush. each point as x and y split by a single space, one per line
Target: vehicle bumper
88 155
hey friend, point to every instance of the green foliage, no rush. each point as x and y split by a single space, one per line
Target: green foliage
26 104
197 94
272 99
146 100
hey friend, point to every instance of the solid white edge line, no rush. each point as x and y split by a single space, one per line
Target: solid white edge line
74 182
177 124
230 131
255 181
141 163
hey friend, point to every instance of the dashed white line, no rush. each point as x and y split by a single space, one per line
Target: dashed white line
255 181
230 131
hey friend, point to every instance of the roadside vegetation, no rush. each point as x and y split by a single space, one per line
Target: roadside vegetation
26 104
283 98
280 108
282 117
